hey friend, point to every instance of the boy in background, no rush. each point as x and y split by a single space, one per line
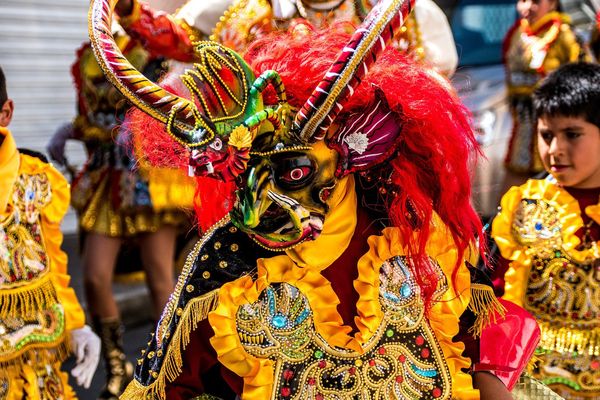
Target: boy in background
41 321
548 232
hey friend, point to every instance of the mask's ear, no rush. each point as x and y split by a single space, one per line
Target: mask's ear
367 138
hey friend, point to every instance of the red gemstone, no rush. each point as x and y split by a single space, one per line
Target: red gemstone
381 350
285 391
595 365
288 374
399 379
402 358
352 371
425 353
419 340
319 396
322 364
311 381
437 392
372 363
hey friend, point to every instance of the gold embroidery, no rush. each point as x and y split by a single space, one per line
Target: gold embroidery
401 360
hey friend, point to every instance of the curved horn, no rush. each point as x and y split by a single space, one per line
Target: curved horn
370 39
192 128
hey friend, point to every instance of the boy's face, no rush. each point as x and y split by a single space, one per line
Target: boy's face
570 150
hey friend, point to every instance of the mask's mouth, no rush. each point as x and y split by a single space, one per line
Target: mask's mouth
283 224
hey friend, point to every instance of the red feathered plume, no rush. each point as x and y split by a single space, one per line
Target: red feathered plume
430 167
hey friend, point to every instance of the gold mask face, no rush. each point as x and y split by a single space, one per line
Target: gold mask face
284 199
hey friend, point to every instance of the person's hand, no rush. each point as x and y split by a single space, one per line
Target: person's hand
86 347
124 8
56 145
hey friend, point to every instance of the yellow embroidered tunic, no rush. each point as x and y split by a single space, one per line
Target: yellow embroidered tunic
38 309
556 279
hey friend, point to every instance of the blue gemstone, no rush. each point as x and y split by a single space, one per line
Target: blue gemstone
428 373
405 290
538 226
279 321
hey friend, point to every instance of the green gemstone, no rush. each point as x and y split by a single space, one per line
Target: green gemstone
557 253
318 354
389 333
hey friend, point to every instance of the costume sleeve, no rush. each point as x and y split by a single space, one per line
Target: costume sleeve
438 42
568 50
52 216
160 33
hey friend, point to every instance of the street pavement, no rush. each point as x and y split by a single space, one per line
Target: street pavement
133 301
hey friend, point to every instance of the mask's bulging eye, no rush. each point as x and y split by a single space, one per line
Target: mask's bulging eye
293 172
296 174
216 144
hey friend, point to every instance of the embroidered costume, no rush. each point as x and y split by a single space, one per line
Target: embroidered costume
38 309
548 237
530 53
339 270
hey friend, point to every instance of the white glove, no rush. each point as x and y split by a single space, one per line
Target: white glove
86 347
56 145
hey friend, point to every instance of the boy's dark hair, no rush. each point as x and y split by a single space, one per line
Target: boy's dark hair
3 94
573 90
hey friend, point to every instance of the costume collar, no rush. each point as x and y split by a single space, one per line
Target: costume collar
9 167
550 18
338 229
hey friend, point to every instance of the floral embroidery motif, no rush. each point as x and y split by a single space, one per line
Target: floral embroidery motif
357 141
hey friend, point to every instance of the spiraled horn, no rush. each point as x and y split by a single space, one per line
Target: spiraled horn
192 128
370 39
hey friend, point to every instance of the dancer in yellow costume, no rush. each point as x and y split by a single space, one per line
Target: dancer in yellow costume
119 198
548 231
41 320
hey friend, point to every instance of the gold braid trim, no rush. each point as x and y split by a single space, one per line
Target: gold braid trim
485 306
26 301
41 354
195 311
570 340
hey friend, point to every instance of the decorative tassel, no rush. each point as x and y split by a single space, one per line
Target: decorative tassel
485 306
195 311
25 302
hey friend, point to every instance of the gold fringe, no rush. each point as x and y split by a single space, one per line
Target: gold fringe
485 306
570 340
26 301
39 354
195 311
